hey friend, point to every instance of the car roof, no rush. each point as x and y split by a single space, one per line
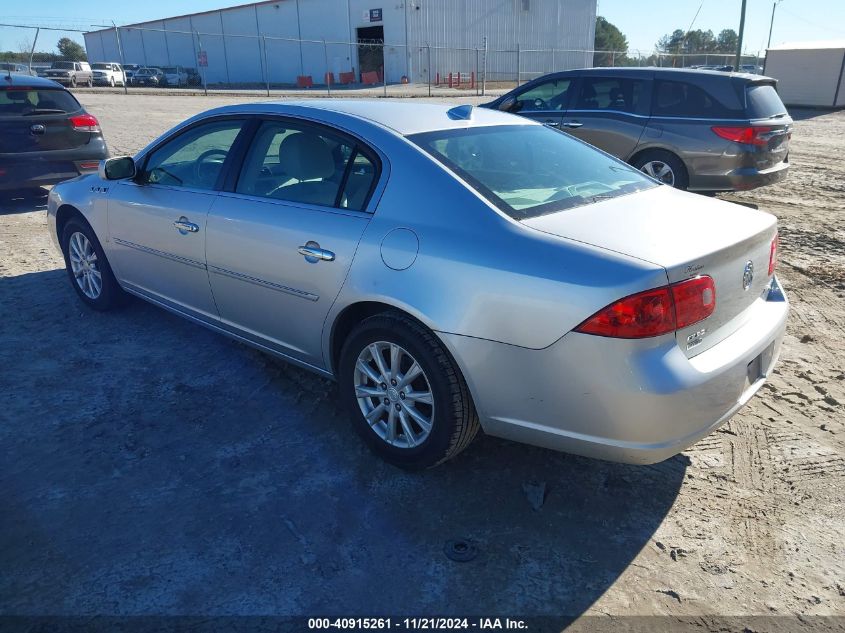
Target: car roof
652 71
26 81
400 116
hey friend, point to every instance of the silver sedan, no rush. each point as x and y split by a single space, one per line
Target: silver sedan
450 268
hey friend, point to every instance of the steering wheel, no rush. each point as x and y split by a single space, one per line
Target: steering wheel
539 104
199 164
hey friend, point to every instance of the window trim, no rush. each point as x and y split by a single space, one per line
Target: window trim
355 142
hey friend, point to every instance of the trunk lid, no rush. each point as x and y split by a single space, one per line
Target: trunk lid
688 235
38 120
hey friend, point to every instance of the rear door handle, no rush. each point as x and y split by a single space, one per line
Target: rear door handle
313 253
551 123
184 226
573 124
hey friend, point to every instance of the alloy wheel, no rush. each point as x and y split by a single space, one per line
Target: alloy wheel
394 394
84 265
659 170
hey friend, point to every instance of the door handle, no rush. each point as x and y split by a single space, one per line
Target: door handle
184 226
573 124
313 253
551 123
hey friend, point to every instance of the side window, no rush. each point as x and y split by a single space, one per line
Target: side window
302 163
549 95
193 159
612 93
681 99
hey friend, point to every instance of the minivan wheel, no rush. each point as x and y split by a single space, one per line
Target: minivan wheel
88 269
664 167
406 397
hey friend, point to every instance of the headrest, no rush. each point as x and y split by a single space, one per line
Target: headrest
305 156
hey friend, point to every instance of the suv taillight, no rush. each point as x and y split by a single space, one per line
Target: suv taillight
655 312
773 254
749 135
84 123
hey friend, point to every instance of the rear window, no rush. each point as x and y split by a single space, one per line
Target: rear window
63 65
30 101
101 66
764 102
531 170
683 99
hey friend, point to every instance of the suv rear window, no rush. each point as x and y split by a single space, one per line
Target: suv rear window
27 101
682 99
763 101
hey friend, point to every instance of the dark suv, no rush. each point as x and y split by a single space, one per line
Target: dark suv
45 135
692 129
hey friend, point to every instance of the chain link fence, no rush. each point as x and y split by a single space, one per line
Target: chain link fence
271 64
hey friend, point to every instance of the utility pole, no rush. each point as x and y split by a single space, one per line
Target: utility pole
739 43
772 23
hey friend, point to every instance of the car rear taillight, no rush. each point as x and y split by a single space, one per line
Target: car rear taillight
773 254
84 123
747 134
655 312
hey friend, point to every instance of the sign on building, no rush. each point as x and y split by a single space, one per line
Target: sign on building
202 59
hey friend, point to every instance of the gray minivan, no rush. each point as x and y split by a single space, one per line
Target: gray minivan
693 129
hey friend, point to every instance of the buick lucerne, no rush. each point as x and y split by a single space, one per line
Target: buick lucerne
452 268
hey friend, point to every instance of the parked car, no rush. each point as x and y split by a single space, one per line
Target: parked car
754 69
129 70
45 135
175 76
108 74
693 129
148 77
449 267
194 78
71 74
21 69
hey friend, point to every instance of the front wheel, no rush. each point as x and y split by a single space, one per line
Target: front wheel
664 167
406 396
73 81
88 268
111 82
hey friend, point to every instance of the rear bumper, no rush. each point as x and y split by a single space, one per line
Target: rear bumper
635 401
48 168
739 179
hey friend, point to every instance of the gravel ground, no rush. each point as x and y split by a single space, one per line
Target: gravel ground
152 467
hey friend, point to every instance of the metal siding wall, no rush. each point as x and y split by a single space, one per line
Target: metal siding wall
806 77
279 20
393 21
319 20
212 42
243 54
180 45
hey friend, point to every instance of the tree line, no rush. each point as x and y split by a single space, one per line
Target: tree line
670 47
68 51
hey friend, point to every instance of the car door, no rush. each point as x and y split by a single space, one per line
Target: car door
280 243
609 112
157 221
544 101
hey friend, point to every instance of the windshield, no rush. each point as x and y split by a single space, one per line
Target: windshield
101 66
64 65
531 170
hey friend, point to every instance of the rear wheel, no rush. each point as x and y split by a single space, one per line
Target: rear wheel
91 82
88 268
73 81
406 396
111 82
664 167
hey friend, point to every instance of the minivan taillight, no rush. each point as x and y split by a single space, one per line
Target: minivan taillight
773 254
84 123
655 312
748 134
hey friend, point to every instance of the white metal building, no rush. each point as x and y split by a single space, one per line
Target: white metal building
279 40
809 73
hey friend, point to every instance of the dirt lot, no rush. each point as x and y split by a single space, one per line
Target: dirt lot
152 467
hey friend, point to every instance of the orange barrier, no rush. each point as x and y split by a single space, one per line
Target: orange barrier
369 78
347 78
304 81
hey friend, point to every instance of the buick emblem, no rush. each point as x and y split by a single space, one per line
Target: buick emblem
748 275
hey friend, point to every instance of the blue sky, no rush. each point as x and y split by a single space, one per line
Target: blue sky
642 23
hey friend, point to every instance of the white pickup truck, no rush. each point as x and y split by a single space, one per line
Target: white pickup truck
108 74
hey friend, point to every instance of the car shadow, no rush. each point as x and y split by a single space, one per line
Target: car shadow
23 200
154 467
803 114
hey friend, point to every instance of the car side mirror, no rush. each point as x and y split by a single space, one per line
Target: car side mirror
508 104
118 168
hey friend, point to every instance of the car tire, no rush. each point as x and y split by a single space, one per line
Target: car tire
73 81
111 82
94 281
91 83
654 162
453 420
